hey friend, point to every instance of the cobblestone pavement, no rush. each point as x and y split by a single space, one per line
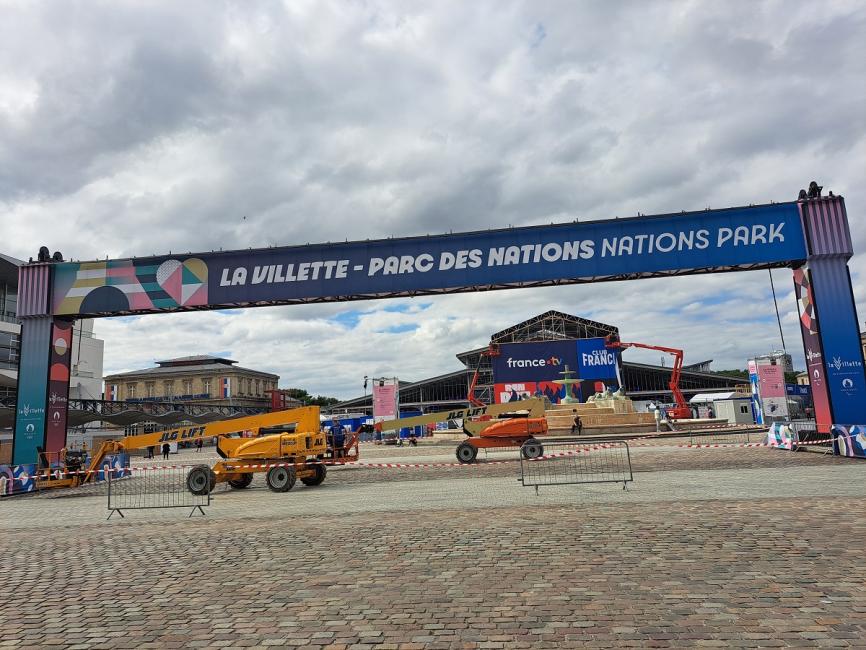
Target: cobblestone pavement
718 547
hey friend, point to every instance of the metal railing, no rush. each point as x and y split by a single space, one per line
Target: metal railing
571 462
729 437
158 487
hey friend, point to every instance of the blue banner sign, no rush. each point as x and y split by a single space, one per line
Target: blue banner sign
539 361
564 253
842 351
798 390
594 360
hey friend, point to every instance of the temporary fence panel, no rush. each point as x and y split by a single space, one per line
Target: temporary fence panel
727 437
798 434
155 487
17 479
569 462
806 431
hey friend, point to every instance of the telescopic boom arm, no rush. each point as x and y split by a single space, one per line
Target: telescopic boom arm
682 409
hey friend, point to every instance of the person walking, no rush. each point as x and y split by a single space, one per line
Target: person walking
198 444
150 452
166 448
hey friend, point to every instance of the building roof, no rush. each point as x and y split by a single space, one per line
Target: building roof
165 371
701 366
9 269
196 359
551 326
712 397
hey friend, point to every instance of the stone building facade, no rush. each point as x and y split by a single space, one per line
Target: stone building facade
202 379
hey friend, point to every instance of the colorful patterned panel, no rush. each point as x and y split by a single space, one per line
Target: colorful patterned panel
58 385
34 282
812 346
826 224
116 463
850 441
15 479
129 285
782 436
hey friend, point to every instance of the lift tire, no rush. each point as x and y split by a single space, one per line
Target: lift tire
532 449
281 479
242 482
321 472
200 480
466 453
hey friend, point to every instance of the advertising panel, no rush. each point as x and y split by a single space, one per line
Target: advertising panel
771 383
32 390
523 369
58 385
595 361
384 400
514 392
570 252
797 390
540 361
840 340
812 348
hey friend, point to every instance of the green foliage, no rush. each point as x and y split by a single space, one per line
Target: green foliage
308 400
739 374
790 377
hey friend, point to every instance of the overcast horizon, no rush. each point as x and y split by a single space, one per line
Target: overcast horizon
141 128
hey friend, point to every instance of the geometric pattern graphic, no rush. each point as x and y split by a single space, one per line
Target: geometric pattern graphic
781 436
15 479
121 285
850 441
812 345
807 306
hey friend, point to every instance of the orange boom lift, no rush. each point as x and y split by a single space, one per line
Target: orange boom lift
681 411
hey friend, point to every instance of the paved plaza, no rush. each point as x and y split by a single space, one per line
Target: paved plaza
732 547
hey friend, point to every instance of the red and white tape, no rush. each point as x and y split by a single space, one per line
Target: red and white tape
586 448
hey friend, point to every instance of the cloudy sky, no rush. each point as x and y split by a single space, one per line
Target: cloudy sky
139 128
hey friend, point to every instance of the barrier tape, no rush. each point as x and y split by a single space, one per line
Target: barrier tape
61 474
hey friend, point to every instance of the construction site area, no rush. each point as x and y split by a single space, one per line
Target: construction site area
721 546
549 493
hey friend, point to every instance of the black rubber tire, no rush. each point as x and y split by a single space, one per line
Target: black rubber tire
532 449
242 482
321 473
200 480
281 479
466 453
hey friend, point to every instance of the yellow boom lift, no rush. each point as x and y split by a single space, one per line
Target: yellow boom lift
289 438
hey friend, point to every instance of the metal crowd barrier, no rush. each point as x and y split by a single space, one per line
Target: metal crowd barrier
806 432
157 487
570 462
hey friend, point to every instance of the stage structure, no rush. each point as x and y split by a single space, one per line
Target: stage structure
810 235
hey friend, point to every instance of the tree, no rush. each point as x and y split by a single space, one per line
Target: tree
739 374
308 400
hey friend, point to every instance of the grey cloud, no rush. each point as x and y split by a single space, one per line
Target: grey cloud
159 127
